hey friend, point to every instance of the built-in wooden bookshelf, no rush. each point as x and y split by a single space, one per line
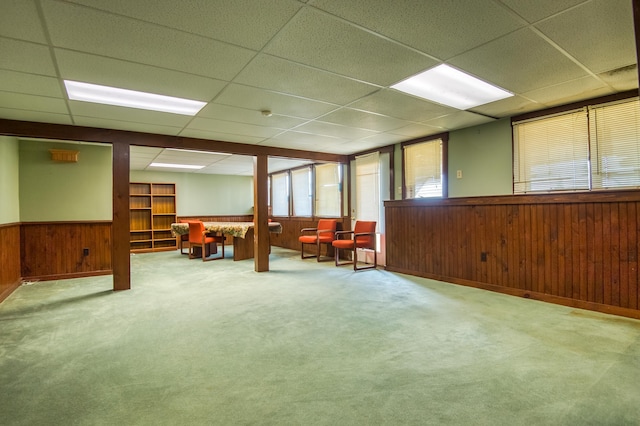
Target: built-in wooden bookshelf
152 211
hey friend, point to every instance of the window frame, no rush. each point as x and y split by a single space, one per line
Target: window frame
444 166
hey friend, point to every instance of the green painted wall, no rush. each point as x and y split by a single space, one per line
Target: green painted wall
58 191
9 180
203 194
483 154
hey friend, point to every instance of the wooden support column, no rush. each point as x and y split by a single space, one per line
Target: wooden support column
260 213
120 260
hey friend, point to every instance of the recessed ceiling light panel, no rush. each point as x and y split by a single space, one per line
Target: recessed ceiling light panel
87 92
448 86
176 166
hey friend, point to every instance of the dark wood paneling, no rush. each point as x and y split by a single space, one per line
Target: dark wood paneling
575 249
54 250
9 259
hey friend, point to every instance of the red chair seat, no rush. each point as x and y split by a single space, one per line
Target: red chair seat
323 234
363 236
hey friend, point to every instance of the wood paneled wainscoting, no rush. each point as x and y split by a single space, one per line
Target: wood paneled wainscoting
56 250
291 227
578 250
9 259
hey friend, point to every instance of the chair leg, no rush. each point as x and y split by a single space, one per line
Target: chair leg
372 266
302 256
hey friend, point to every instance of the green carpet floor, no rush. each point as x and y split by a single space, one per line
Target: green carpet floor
216 343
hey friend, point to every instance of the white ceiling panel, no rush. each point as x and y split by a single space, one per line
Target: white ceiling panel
26 57
580 33
415 130
249 116
259 20
362 119
88 30
32 103
533 11
450 121
13 81
510 106
346 49
232 128
392 103
259 99
133 126
266 72
32 115
519 62
334 130
441 28
220 136
19 19
569 91
133 115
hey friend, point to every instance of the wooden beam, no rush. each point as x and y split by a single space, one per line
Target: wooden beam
260 213
120 260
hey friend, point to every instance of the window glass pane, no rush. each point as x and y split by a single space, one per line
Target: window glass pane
280 190
615 144
328 190
368 187
301 191
423 169
551 154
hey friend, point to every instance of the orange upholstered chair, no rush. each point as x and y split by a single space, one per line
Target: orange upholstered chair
323 234
184 238
364 236
198 237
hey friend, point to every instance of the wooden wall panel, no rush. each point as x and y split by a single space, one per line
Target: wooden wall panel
54 250
575 249
9 259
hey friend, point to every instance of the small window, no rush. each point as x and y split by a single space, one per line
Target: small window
280 194
423 169
301 192
328 190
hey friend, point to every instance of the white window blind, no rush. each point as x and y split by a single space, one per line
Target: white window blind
423 169
301 191
280 191
615 144
368 187
328 194
552 153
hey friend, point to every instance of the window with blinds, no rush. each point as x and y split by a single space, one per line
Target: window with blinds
615 144
551 154
328 190
585 149
301 192
280 194
423 169
368 187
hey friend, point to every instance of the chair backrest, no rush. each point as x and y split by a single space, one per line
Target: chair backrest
365 241
329 224
196 228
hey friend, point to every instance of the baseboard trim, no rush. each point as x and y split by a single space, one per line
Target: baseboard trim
67 276
9 290
564 301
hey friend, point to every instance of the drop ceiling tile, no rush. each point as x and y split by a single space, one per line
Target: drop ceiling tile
133 115
345 49
231 127
510 106
32 103
441 28
533 11
267 72
258 99
88 30
571 91
300 140
19 19
128 75
218 19
26 57
417 130
581 33
12 81
37 116
458 120
171 157
363 119
255 117
381 139
106 123
220 136
519 62
625 78
392 103
334 130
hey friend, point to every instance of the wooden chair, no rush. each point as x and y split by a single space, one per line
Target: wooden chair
323 234
364 236
198 237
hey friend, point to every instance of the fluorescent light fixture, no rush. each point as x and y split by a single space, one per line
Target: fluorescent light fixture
197 152
449 86
78 91
176 166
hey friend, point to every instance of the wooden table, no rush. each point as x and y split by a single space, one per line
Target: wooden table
242 233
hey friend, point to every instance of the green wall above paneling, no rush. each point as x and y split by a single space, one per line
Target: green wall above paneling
483 154
9 180
199 194
60 191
